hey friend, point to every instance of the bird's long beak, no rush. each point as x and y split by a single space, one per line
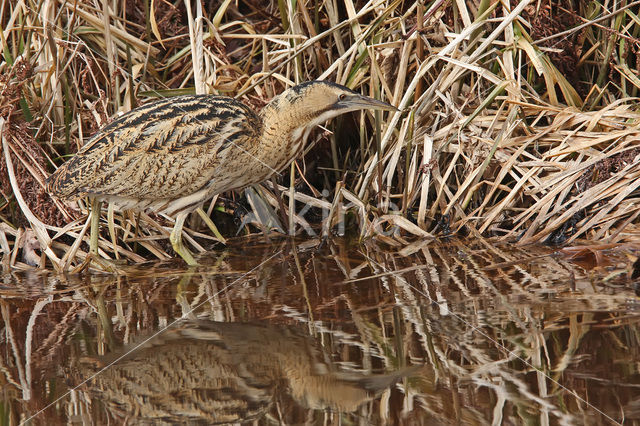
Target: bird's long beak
356 102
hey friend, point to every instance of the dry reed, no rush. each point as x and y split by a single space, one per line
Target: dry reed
518 121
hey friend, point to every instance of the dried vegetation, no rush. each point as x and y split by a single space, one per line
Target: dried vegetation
519 120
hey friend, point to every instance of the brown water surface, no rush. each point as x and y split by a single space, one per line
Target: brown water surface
432 333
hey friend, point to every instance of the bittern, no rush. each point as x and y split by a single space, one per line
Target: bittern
173 154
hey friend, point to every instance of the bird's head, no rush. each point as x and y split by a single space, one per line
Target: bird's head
312 103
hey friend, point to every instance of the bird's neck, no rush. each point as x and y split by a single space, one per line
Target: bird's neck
284 134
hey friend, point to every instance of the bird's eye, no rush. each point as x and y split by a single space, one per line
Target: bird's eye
342 97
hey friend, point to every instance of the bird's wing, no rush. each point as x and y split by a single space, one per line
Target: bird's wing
166 149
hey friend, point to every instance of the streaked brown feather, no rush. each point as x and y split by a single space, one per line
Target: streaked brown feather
165 149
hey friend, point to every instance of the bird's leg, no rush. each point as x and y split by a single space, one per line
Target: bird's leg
94 258
176 240
283 212
96 205
211 225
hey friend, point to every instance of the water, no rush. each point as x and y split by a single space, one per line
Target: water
432 333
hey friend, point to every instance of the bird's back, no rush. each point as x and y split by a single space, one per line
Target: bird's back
166 149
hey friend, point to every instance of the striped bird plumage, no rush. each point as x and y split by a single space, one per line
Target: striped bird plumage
159 152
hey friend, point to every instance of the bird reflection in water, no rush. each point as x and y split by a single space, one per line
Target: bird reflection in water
218 372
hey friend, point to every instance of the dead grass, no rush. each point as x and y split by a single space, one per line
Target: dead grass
518 121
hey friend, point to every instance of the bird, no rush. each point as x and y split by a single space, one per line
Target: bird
172 154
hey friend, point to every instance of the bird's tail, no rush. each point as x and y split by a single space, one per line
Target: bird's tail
61 184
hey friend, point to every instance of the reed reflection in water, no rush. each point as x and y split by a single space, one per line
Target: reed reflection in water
445 333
